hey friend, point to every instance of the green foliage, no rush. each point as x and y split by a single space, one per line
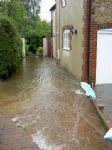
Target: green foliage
32 41
10 47
40 50
24 15
15 10
32 7
43 28
27 49
35 37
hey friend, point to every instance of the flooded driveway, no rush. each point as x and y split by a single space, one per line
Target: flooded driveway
43 108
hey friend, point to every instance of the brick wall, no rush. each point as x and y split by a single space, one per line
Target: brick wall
101 18
86 19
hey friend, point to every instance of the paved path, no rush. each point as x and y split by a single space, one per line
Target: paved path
43 107
104 96
12 137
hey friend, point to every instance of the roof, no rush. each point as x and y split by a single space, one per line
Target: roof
53 7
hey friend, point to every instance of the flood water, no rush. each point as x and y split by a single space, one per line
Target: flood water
49 104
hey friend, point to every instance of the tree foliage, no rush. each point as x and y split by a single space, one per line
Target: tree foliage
10 47
35 37
25 16
32 7
15 10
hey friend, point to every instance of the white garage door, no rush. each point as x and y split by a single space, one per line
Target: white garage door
104 57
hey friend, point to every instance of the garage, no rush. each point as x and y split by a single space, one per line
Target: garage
104 57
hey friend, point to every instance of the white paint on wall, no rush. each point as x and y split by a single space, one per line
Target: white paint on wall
104 57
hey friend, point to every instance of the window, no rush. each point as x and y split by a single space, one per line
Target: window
66 39
63 3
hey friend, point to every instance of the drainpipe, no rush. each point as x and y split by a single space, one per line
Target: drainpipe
59 30
51 24
88 42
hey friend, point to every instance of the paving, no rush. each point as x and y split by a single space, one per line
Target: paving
42 107
14 138
104 96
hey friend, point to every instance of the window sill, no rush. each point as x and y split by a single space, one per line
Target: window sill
66 49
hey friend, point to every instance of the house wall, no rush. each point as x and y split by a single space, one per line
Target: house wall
54 32
57 28
101 18
71 14
44 47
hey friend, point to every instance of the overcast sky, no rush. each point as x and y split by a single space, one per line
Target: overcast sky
45 6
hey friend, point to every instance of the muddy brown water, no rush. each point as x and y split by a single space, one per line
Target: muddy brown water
40 98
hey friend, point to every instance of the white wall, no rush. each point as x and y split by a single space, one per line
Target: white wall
44 47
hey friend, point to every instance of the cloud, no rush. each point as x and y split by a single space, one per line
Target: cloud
45 6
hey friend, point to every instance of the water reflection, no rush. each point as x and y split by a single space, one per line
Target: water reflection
45 103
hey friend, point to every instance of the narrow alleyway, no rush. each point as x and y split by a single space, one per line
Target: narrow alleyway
41 109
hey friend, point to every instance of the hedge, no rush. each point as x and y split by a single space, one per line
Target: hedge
10 47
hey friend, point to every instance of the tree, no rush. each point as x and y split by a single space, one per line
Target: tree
15 10
33 8
35 36
25 16
10 47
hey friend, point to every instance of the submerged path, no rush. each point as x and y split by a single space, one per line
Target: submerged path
42 107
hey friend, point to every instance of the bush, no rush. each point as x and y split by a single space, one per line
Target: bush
34 41
10 47
40 50
27 49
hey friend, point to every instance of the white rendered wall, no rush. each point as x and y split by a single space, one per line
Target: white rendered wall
44 47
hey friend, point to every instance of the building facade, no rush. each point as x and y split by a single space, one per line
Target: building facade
69 37
97 39
83 37
53 28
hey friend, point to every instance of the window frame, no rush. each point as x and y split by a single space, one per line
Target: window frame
67 38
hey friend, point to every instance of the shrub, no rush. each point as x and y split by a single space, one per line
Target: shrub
40 50
34 41
10 47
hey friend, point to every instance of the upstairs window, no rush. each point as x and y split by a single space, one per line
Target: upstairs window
63 3
67 39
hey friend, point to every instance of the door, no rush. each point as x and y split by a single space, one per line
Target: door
104 57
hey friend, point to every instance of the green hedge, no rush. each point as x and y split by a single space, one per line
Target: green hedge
10 47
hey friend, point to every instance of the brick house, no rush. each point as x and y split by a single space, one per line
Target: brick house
84 38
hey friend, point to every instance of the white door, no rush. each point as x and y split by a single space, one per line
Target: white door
104 57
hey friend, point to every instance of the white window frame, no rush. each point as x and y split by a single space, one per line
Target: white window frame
63 3
66 39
